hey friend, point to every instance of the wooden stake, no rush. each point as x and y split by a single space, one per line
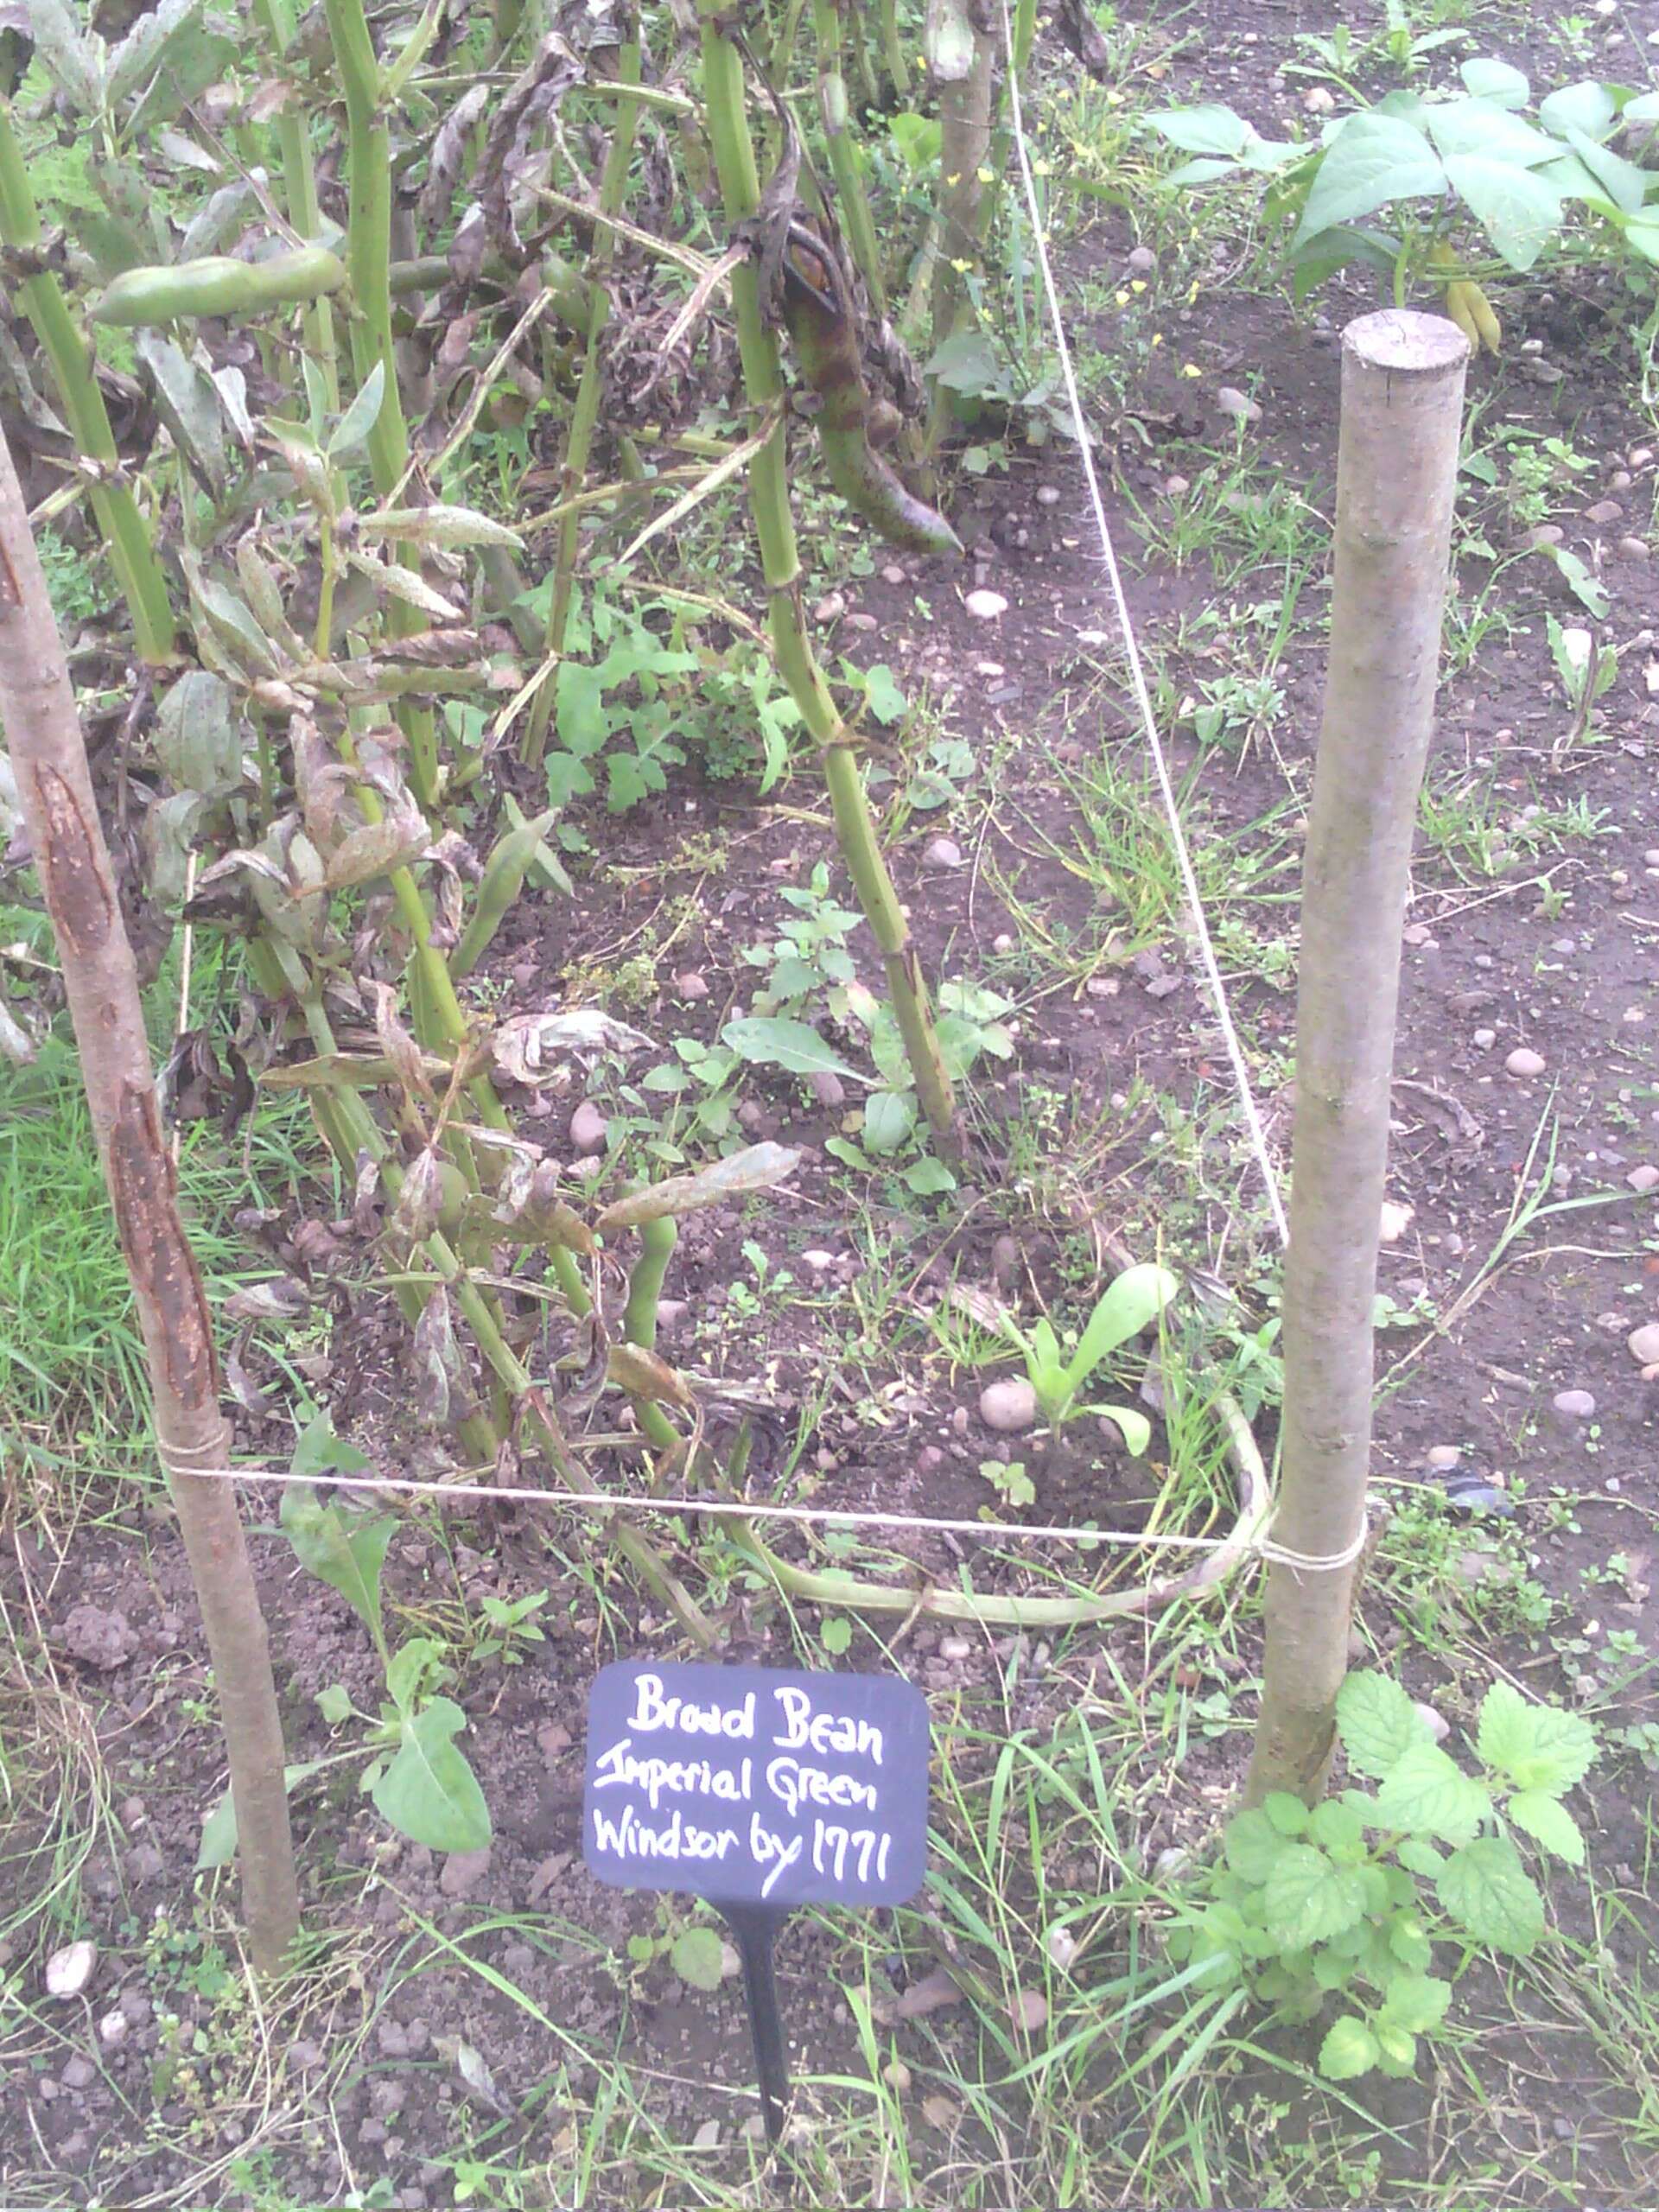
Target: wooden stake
1402 378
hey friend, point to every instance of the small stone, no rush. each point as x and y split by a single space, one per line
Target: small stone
1318 99
1523 1061
1643 1344
1603 512
827 1088
860 620
893 573
1442 1456
690 985
942 852
752 1115
1009 1406
1047 495
1643 1179
304 2057
1002 942
830 608
1634 549
1438 1726
1061 1946
1142 260
1561 2128
463 1871
1394 1221
68 1971
955 1647
1640 457
1543 533
1237 406
113 2030
1170 1862
985 606
1030 2010
1483 1039
79 2073
588 1128
1577 1404
1620 481
819 1262
553 1738
1005 1262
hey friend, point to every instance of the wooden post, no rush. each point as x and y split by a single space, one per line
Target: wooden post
1402 378
37 708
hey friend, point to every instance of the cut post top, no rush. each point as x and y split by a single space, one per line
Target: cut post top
1404 341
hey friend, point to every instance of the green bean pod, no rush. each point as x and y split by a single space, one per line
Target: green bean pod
218 285
825 339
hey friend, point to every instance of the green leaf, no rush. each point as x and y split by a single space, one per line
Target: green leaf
1519 211
1136 1297
1376 1721
335 1704
1426 1793
1373 159
1337 1828
1489 78
1349 2048
1416 2002
889 1117
429 1792
362 414
1288 1813
319 1452
1587 106
1397 2047
772 1040
1577 578
887 701
1547 1821
696 1956
836 1634
1308 1900
218 1845
1625 184
1252 1845
1536 1746
1134 1427
1476 127
1419 1856
756 1168
927 1177
197 739
1410 1944
1211 127
346 1555
1487 1891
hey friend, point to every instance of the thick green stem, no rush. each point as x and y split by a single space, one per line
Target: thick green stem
368 243
722 78
892 50
855 207
579 443
138 572
300 190
657 1242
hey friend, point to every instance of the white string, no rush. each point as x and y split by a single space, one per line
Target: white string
176 1461
1137 674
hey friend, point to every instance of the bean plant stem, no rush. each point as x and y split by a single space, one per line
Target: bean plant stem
724 93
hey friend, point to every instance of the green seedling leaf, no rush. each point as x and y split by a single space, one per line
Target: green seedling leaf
409 1670
1337 1828
362 414
1378 1722
1287 1812
772 1040
1416 2002
1489 78
1134 1427
345 1554
429 1792
1548 1822
335 1704
1519 211
1349 2050
1536 1747
218 1845
889 1117
1308 1900
1428 1793
1210 128
695 1955
1487 1891
1253 1845
837 1635
927 1177
1134 1300
757 1167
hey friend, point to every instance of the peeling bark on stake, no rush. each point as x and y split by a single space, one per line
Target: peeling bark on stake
48 752
1402 378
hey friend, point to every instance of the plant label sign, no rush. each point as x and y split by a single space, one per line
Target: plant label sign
750 1785
760 1789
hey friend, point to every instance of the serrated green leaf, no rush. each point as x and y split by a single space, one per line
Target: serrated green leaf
1487 1891
1410 1944
1337 1828
1547 1821
1396 2046
1534 1746
1426 1792
1376 1721
429 1792
696 1956
1416 2002
1310 1901
1349 2050
1252 1845
1288 1815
